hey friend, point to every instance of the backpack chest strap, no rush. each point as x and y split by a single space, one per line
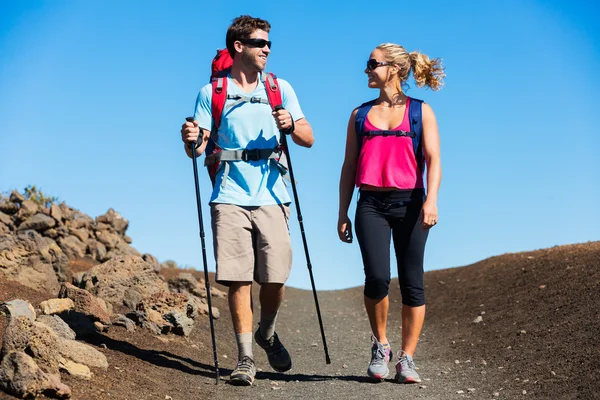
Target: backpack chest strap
239 99
398 133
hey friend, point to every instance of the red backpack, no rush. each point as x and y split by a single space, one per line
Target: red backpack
221 66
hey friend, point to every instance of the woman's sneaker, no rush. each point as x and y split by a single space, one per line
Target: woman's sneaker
278 356
406 370
243 374
380 357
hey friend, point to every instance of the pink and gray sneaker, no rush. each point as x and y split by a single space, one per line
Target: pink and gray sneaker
380 357
406 370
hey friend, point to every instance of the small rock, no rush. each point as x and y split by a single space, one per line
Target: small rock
16 308
422 387
16 197
471 390
524 391
56 306
522 332
314 344
478 319
168 397
553 373
58 325
75 369
456 361
275 388
100 327
542 286
496 394
224 355
484 362
103 346
37 222
344 366
482 313
460 392
122 320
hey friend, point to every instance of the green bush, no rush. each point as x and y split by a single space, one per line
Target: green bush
34 194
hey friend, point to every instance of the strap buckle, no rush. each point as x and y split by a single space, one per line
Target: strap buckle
255 99
251 155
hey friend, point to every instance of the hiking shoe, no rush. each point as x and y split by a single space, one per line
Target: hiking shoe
278 356
244 372
406 370
380 357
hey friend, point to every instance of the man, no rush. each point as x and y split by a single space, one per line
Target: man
250 203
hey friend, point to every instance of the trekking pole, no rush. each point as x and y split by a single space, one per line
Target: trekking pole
201 223
312 280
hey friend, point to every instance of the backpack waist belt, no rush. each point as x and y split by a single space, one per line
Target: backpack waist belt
241 155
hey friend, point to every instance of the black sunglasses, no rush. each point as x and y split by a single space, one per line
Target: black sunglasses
260 43
373 63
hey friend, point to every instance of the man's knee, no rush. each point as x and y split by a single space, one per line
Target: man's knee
239 288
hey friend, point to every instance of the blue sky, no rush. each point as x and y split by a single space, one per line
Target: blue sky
92 95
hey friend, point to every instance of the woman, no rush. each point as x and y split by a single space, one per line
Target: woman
389 142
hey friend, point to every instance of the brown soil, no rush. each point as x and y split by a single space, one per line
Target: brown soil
538 339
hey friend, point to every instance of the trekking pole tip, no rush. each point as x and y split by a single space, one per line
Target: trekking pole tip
327 359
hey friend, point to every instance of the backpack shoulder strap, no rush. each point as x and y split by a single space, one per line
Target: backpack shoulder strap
219 97
416 126
359 122
273 90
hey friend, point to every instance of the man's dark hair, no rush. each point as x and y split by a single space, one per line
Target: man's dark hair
241 28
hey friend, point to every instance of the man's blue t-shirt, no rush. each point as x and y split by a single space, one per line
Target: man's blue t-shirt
248 126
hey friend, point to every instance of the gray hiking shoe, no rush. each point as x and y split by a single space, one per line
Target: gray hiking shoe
243 374
380 357
278 356
406 370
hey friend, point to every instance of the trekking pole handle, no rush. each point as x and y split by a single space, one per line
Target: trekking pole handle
287 131
192 145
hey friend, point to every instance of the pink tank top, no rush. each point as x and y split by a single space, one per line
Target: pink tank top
388 161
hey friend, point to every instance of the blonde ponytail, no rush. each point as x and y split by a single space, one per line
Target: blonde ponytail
427 72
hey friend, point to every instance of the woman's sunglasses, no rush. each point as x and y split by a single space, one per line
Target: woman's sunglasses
260 43
373 63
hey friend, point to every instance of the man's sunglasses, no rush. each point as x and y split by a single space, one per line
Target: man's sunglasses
260 43
373 63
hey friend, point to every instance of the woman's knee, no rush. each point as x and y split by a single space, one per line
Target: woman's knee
412 296
377 288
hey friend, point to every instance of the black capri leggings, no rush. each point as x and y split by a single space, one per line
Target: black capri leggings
379 216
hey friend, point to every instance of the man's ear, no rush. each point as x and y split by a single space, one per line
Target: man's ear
237 45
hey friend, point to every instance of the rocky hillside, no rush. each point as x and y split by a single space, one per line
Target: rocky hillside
41 248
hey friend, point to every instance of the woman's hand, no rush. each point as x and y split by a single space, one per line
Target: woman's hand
345 229
429 214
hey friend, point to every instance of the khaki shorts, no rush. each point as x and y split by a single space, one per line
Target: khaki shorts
251 243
